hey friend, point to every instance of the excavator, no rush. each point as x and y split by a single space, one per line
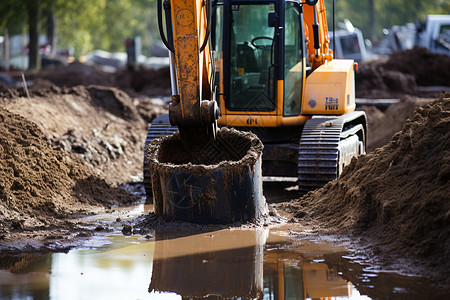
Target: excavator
265 67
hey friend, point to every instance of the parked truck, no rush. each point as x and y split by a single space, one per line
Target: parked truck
435 34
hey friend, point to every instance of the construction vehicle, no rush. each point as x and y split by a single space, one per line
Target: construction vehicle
435 34
348 42
271 72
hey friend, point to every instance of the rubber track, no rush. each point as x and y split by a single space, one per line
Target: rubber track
318 152
160 126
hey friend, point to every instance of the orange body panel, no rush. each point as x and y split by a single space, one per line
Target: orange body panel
329 90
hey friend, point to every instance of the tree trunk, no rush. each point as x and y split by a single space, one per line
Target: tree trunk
23 45
6 48
51 28
34 15
371 19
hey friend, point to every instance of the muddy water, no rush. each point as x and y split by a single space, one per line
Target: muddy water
230 263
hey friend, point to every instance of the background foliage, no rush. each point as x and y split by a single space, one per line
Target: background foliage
85 24
386 13
104 24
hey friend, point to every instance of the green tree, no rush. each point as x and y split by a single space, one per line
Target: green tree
14 12
105 24
83 25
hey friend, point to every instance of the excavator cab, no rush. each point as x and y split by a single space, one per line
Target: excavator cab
249 83
258 44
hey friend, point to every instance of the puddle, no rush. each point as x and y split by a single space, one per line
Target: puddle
229 263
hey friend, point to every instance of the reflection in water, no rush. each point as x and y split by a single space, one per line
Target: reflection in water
232 263
289 275
223 264
27 276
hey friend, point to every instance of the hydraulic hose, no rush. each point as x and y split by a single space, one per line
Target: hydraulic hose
208 25
160 27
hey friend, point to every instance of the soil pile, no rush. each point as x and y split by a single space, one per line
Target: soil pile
374 81
143 81
428 68
398 196
39 184
100 124
383 125
402 73
77 73
139 82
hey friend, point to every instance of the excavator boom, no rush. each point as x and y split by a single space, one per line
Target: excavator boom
193 108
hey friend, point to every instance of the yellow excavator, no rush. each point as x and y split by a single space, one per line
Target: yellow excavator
262 66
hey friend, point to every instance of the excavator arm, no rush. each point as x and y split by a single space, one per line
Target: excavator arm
316 33
193 108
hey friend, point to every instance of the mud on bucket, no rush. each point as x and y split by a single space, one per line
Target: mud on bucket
220 183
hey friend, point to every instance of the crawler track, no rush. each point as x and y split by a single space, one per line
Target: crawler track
324 142
160 126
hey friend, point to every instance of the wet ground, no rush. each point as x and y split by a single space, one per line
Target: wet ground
248 264
259 262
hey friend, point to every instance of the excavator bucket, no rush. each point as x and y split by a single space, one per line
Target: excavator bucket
220 183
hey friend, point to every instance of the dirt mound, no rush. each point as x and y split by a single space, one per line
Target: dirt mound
374 81
100 124
402 73
397 196
6 92
144 81
383 125
77 73
40 184
428 68
137 82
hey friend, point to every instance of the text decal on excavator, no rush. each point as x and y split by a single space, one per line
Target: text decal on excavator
251 121
331 103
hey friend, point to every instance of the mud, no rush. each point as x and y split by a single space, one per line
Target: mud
41 187
242 149
395 198
226 263
62 159
230 145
